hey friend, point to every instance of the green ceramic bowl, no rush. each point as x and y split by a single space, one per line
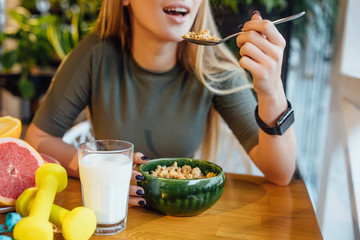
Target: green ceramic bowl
182 197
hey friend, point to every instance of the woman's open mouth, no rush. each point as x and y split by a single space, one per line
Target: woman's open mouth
176 11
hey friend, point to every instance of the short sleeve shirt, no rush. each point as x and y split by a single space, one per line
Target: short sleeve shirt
163 114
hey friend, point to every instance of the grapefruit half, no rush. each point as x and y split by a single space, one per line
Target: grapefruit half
18 165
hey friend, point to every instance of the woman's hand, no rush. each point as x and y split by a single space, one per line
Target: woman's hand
136 192
261 48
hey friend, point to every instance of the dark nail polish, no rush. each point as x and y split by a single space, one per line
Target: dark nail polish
140 192
140 177
141 203
257 11
241 26
145 158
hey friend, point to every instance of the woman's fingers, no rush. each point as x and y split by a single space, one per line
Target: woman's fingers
136 191
140 158
255 61
266 28
252 51
260 42
137 176
252 34
260 55
252 66
137 201
136 194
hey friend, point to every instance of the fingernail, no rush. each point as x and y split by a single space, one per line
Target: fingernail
257 11
141 203
240 26
140 177
145 158
139 192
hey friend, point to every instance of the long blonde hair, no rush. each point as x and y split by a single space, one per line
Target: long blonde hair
206 62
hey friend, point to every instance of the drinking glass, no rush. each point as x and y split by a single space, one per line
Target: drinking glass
105 172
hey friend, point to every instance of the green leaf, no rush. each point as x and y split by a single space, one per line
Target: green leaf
74 27
8 59
26 88
53 36
233 4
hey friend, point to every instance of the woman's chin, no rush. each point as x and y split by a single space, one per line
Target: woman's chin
174 37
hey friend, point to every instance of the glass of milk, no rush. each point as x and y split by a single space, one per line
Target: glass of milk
105 172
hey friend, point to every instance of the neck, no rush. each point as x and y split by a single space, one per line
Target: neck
153 54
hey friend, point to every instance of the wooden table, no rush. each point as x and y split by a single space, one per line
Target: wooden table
250 208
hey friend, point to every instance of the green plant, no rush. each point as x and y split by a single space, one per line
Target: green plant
74 22
65 36
44 35
73 19
320 15
268 4
32 49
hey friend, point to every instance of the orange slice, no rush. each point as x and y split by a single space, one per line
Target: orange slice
10 127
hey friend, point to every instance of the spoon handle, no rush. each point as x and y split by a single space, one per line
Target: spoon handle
282 20
286 19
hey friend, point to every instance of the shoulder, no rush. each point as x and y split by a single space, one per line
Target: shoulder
92 52
93 46
87 45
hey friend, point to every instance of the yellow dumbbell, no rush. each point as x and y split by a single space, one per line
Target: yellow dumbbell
50 179
77 224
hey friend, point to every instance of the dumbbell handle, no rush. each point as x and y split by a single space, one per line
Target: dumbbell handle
25 204
44 199
58 214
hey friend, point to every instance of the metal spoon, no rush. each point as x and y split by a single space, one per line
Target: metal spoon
208 42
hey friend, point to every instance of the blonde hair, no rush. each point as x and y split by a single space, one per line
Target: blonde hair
208 63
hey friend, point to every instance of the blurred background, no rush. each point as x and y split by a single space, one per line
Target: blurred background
321 76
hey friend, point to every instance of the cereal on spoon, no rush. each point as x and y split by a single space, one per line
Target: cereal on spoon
202 35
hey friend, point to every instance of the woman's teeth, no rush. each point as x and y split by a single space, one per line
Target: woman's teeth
175 11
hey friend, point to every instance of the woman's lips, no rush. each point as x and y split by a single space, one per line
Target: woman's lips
176 13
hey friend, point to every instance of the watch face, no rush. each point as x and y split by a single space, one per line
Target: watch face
285 121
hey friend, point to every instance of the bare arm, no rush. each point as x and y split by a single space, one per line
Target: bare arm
275 156
54 146
261 48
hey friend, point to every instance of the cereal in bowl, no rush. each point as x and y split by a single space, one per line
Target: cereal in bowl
184 172
202 35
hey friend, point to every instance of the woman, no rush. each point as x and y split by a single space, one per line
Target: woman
144 84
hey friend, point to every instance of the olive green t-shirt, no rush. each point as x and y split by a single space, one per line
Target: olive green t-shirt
162 113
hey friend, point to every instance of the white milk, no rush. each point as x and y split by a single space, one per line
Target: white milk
105 180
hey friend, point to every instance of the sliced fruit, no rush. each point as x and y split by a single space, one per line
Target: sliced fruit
48 159
10 127
18 165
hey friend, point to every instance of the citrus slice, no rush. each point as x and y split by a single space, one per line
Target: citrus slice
10 127
48 159
18 165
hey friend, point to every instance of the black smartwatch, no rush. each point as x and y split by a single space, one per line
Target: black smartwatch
282 123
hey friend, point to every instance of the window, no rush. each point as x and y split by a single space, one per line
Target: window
350 65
